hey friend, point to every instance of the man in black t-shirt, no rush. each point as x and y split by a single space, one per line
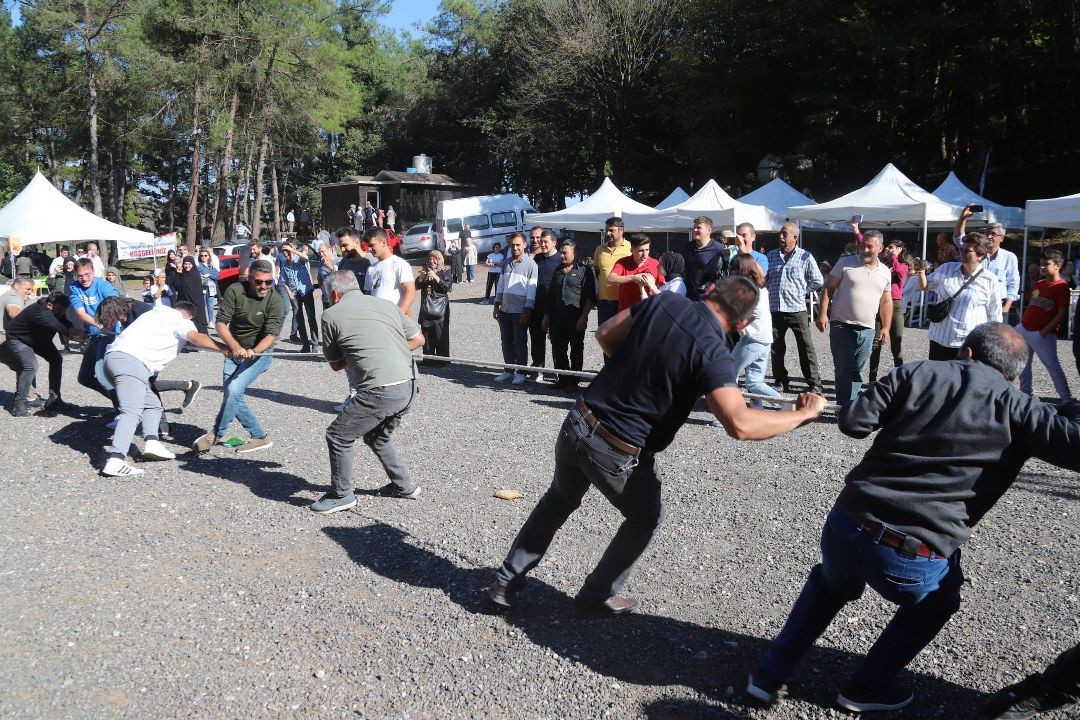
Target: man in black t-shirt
665 352
29 336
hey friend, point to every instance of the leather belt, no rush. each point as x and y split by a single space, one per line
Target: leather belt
607 435
895 539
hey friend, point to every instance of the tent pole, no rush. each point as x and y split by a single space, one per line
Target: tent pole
1023 271
922 293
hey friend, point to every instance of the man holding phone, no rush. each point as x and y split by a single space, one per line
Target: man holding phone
999 261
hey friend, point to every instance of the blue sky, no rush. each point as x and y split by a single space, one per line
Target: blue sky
404 14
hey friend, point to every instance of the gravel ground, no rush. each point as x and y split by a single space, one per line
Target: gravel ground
206 588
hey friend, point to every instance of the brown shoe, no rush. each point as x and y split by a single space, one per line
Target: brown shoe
614 605
253 445
204 443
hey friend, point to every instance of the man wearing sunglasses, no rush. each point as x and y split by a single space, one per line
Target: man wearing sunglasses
999 261
248 322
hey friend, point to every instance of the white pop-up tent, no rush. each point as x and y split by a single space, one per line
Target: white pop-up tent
891 198
954 192
590 214
43 214
711 201
677 196
1060 212
778 196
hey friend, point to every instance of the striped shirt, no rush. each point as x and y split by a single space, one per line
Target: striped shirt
979 303
791 279
516 291
1004 265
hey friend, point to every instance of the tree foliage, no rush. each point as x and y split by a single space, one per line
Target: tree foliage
188 113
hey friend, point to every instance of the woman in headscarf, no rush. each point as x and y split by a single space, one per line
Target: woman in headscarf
189 287
112 276
64 278
435 281
672 267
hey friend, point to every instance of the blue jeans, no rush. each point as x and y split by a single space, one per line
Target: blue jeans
851 347
514 337
211 300
752 356
235 380
470 273
927 591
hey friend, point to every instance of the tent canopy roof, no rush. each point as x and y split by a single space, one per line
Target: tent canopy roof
711 201
891 197
43 214
677 196
954 192
590 213
776 195
1061 212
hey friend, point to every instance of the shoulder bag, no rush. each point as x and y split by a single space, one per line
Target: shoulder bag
937 312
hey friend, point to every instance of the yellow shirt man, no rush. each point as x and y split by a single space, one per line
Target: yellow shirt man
604 259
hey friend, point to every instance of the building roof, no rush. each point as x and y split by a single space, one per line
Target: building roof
395 177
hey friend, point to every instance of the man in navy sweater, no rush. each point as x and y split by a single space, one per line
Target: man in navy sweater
954 436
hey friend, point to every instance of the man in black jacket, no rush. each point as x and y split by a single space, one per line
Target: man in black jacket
954 436
30 335
566 310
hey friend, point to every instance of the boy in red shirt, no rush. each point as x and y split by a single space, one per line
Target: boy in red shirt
1048 301
636 275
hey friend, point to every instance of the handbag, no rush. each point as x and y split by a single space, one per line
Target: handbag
434 306
937 312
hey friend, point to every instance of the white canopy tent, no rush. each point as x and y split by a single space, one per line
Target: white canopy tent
710 200
42 214
1060 212
590 214
954 192
891 198
778 196
677 196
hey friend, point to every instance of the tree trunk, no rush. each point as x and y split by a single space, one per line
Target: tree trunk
92 167
240 198
256 213
196 168
170 205
274 194
220 228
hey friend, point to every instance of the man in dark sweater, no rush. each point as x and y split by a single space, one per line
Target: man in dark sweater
666 352
570 299
954 436
30 336
547 261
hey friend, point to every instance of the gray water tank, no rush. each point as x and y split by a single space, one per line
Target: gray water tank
422 163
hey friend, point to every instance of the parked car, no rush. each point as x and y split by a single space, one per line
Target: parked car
418 240
234 249
228 271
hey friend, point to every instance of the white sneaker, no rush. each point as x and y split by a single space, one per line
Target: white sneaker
518 379
116 467
504 377
154 450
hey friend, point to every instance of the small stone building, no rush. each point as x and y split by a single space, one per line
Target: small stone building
415 196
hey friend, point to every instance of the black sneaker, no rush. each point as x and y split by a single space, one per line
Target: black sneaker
36 402
763 687
329 504
191 392
1021 700
500 595
856 697
55 404
18 409
393 491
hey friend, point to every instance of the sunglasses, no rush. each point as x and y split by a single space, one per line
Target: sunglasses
263 282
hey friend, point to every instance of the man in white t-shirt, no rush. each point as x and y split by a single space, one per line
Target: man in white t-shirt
142 350
93 253
57 265
390 278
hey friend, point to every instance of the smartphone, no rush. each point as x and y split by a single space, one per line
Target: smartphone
976 208
857 219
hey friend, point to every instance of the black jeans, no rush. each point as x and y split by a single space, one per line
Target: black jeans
565 335
492 281
437 337
799 324
941 352
304 305
537 338
22 358
632 485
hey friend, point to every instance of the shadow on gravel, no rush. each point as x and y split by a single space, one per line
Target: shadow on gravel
477 378
257 475
88 432
293 400
1046 484
641 648
683 709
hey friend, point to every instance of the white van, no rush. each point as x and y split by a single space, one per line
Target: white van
490 218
